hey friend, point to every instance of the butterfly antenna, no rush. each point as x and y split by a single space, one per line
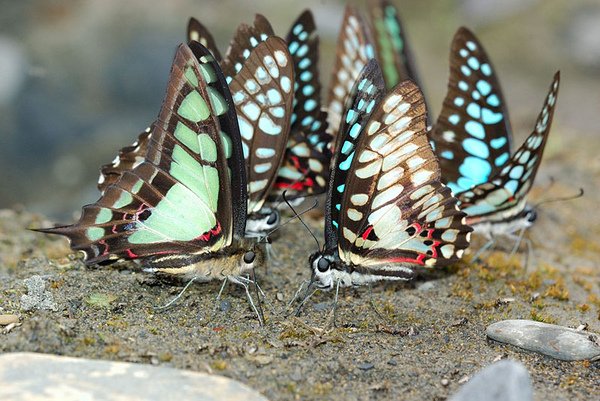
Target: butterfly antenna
265 238
300 218
566 198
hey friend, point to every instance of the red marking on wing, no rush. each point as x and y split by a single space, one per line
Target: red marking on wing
211 233
418 260
130 254
365 235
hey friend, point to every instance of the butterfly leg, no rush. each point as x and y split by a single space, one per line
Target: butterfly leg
306 297
240 281
518 241
176 298
487 246
335 302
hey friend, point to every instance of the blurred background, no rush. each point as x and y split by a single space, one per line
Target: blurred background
81 79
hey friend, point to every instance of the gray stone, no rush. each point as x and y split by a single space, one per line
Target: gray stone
555 341
37 298
502 381
29 376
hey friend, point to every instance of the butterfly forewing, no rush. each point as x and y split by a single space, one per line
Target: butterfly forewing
128 158
179 200
262 92
393 52
395 210
196 31
472 136
360 104
505 193
354 49
244 40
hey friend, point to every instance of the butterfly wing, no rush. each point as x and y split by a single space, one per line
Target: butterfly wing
392 48
472 136
306 162
181 199
395 210
128 158
360 104
354 49
198 32
504 195
244 40
262 92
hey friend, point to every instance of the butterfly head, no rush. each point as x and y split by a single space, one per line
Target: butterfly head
263 221
322 265
529 214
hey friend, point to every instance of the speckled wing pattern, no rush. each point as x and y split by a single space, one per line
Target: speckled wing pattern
262 92
392 48
188 196
354 49
199 33
366 93
306 162
505 194
394 208
128 158
245 39
472 136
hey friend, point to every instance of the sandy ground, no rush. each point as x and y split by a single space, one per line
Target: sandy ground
421 333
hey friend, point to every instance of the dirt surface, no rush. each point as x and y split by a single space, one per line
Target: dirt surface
416 335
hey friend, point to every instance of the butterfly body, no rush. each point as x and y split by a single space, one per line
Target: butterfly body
387 213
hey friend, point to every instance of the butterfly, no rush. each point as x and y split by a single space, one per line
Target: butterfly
472 138
354 50
306 158
182 210
387 211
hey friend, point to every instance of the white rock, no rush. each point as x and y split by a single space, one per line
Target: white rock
502 381
555 341
33 377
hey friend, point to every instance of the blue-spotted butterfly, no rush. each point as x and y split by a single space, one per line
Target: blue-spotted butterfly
472 139
306 159
387 211
182 210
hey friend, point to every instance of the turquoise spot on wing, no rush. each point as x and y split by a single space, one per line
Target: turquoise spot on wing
335 224
193 107
476 147
124 199
345 165
473 63
493 100
302 50
297 29
304 63
306 121
497 143
355 130
455 188
191 77
474 110
306 76
516 172
347 147
293 47
208 73
464 183
479 209
187 137
370 106
341 188
500 160
338 206
226 143
447 154
489 117
94 233
137 186
350 116
463 86
459 101
465 70
512 186
475 129
308 90
486 69
310 105
454 119
208 148
475 168
483 87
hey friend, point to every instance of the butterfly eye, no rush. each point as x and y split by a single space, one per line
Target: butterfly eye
272 218
249 257
323 265
531 216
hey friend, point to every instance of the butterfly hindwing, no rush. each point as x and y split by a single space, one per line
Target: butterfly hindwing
354 49
199 33
360 104
504 195
472 136
262 92
180 199
395 209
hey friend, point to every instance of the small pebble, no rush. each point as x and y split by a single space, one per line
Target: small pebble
548 339
426 286
445 382
392 362
5 320
225 306
366 366
502 381
279 296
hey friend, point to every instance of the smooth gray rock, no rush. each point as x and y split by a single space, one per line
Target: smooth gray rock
37 297
32 377
502 381
555 341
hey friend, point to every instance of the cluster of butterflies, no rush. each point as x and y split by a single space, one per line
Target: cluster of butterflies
197 193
